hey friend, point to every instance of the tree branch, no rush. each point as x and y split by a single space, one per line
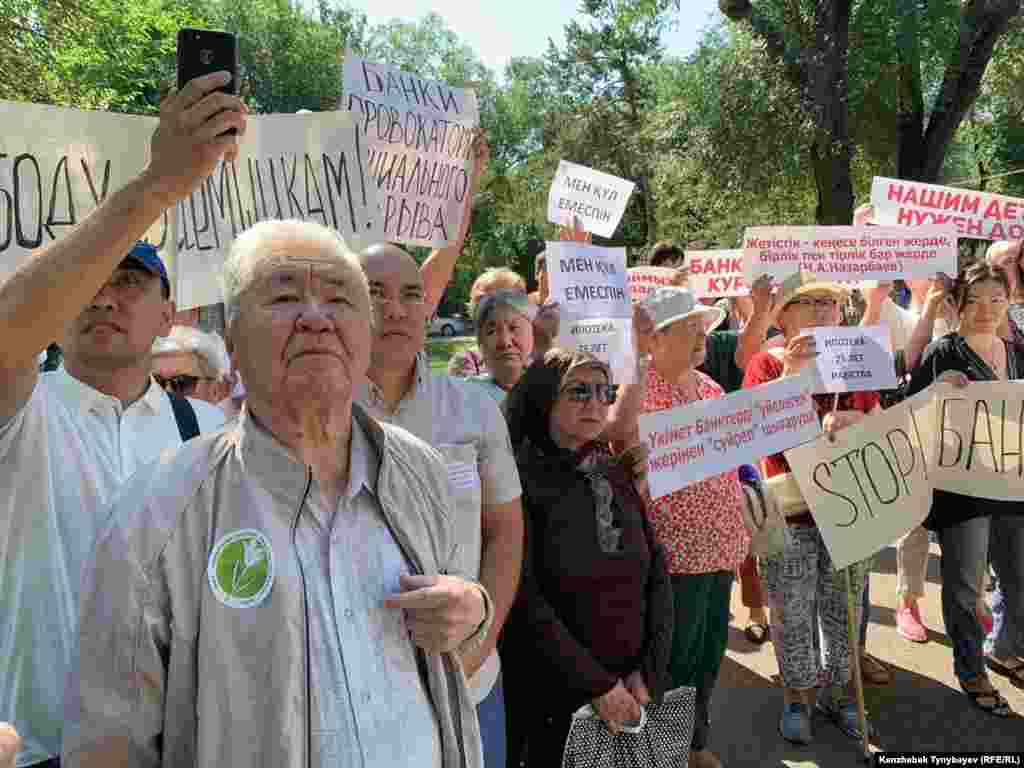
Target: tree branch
775 42
982 23
910 97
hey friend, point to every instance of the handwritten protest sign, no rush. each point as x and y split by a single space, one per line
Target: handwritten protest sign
644 280
309 167
716 273
978 440
57 165
854 359
590 284
979 215
598 199
64 162
850 253
691 443
420 138
872 484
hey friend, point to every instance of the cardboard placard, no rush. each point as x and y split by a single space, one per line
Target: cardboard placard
419 136
872 484
644 280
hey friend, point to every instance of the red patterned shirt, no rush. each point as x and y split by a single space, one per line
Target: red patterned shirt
700 526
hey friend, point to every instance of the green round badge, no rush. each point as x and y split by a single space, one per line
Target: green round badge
241 568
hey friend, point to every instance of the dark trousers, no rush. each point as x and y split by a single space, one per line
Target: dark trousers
699 639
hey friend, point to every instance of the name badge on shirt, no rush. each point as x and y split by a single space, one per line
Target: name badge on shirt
463 475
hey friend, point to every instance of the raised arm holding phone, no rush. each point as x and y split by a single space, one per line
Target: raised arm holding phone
70 438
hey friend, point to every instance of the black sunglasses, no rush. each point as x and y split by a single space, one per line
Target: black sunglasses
582 393
183 384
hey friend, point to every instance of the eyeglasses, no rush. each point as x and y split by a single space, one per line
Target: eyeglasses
183 384
583 393
816 303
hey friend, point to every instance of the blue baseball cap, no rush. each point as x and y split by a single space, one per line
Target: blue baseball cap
146 256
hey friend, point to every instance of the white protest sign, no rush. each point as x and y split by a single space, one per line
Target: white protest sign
598 199
850 253
871 485
716 273
854 359
693 442
978 440
310 167
979 215
643 281
591 286
57 165
420 138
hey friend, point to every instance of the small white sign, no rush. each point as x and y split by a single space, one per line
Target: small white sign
854 359
598 199
591 286
693 442
645 280
715 274
850 253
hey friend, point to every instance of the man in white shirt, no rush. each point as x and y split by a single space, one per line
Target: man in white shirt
69 439
465 425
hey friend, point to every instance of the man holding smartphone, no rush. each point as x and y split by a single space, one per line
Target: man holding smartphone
70 439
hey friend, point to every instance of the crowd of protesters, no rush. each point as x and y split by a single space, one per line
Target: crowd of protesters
299 545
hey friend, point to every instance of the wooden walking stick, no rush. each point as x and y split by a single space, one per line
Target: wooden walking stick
852 625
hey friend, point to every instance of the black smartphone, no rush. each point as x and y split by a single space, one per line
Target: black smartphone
202 51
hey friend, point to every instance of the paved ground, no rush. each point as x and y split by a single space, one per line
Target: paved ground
923 708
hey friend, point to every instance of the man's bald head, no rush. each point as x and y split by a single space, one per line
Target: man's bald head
400 312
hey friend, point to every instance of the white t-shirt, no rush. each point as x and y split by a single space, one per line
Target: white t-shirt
465 425
62 458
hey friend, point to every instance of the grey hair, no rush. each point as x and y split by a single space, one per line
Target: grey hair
250 248
208 347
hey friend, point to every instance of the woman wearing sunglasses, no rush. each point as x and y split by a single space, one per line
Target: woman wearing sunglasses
593 619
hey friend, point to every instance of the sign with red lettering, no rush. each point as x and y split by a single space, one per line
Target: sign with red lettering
850 253
697 441
598 199
978 215
871 484
644 280
419 136
978 440
716 273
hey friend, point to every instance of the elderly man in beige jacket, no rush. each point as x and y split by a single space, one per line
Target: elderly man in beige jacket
279 594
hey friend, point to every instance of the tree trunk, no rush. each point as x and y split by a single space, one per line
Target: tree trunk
832 179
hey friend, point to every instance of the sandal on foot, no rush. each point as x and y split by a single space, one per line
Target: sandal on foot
996 704
757 633
1013 672
874 671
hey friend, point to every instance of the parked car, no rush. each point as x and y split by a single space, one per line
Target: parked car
449 326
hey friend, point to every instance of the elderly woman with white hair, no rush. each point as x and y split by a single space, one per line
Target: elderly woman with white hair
193 363
227 582
470 362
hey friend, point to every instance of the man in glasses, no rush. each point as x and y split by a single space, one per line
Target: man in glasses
69 439
464 424
192 363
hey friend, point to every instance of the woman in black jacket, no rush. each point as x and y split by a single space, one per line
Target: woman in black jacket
965 524
592 623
